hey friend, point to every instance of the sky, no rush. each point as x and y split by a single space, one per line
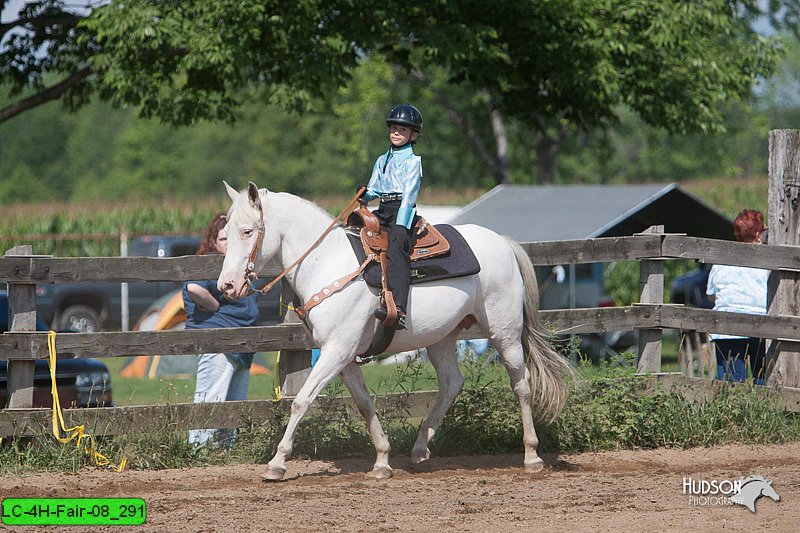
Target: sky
11 9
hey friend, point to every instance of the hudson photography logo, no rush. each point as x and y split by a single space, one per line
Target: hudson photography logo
714 492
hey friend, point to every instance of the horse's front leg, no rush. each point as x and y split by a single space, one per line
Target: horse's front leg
443 357
331 362
353 379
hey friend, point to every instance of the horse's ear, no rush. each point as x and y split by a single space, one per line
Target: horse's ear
252 193
231 191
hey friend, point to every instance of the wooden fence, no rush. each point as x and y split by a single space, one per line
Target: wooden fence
21 345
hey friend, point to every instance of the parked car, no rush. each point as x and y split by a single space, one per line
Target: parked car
82 382
88 307
589 291
589 286
690 288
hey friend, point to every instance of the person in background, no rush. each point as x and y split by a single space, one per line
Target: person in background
220 376
395 180
740 290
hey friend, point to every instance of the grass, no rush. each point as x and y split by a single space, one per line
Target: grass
145 391
608 408
379 378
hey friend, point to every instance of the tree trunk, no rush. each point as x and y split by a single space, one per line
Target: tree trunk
547 150
501 143
497 163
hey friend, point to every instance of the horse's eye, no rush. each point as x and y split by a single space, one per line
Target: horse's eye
247 232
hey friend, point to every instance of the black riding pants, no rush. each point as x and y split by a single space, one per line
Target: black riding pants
398 253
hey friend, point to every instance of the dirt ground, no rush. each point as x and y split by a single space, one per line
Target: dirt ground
613 491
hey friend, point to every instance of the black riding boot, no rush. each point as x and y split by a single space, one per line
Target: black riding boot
398 254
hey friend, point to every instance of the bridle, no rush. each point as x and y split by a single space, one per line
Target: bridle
250 275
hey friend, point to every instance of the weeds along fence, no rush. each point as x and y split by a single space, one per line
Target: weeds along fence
22 344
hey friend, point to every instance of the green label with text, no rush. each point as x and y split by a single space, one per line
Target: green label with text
73 511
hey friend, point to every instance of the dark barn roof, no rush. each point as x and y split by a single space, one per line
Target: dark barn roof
529 213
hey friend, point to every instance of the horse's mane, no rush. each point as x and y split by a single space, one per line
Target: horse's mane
306 204
241 212
748 479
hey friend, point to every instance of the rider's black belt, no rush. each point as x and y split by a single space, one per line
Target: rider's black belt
391 197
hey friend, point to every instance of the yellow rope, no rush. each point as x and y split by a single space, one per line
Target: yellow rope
276 379
77 431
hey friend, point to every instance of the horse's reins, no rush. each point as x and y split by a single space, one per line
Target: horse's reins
251 276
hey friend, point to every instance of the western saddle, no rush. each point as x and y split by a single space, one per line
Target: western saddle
427 242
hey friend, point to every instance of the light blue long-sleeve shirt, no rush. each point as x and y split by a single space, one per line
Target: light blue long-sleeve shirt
397 171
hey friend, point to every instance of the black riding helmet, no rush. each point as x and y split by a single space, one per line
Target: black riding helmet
407 115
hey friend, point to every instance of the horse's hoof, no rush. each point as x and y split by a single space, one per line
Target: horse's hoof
533 468
419 457
274 474
381 472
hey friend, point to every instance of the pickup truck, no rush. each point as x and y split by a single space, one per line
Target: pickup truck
82 382
88 307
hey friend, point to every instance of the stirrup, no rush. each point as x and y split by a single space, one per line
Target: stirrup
400 323
365 360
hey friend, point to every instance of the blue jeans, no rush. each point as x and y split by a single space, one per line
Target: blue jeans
218 379
733 355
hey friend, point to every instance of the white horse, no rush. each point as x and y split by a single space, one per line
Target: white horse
502 299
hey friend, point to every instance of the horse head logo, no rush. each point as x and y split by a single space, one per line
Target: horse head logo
752 488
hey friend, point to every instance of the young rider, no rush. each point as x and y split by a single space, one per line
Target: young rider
396 178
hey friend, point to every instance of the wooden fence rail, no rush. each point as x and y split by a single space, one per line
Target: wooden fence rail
652 315
44 269
25 346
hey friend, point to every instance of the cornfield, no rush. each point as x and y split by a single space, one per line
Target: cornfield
94 230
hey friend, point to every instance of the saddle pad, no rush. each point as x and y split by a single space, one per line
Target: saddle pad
458 262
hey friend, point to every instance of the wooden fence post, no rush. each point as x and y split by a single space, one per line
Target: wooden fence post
295 365
651 291
124 293
21 317
783 293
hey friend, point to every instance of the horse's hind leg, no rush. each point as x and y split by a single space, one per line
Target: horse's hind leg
443 357
513 358
353 379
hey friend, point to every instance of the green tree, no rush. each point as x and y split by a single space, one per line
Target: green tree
672 62
675 64
44 52
22 185
507 88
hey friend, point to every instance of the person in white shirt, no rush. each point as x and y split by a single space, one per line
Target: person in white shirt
738 289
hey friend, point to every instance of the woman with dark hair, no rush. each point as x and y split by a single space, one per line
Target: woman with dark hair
740 290
209 244
220 376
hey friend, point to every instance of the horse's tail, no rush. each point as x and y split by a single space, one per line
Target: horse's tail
548 369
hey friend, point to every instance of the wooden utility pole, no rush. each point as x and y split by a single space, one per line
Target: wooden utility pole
783 293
